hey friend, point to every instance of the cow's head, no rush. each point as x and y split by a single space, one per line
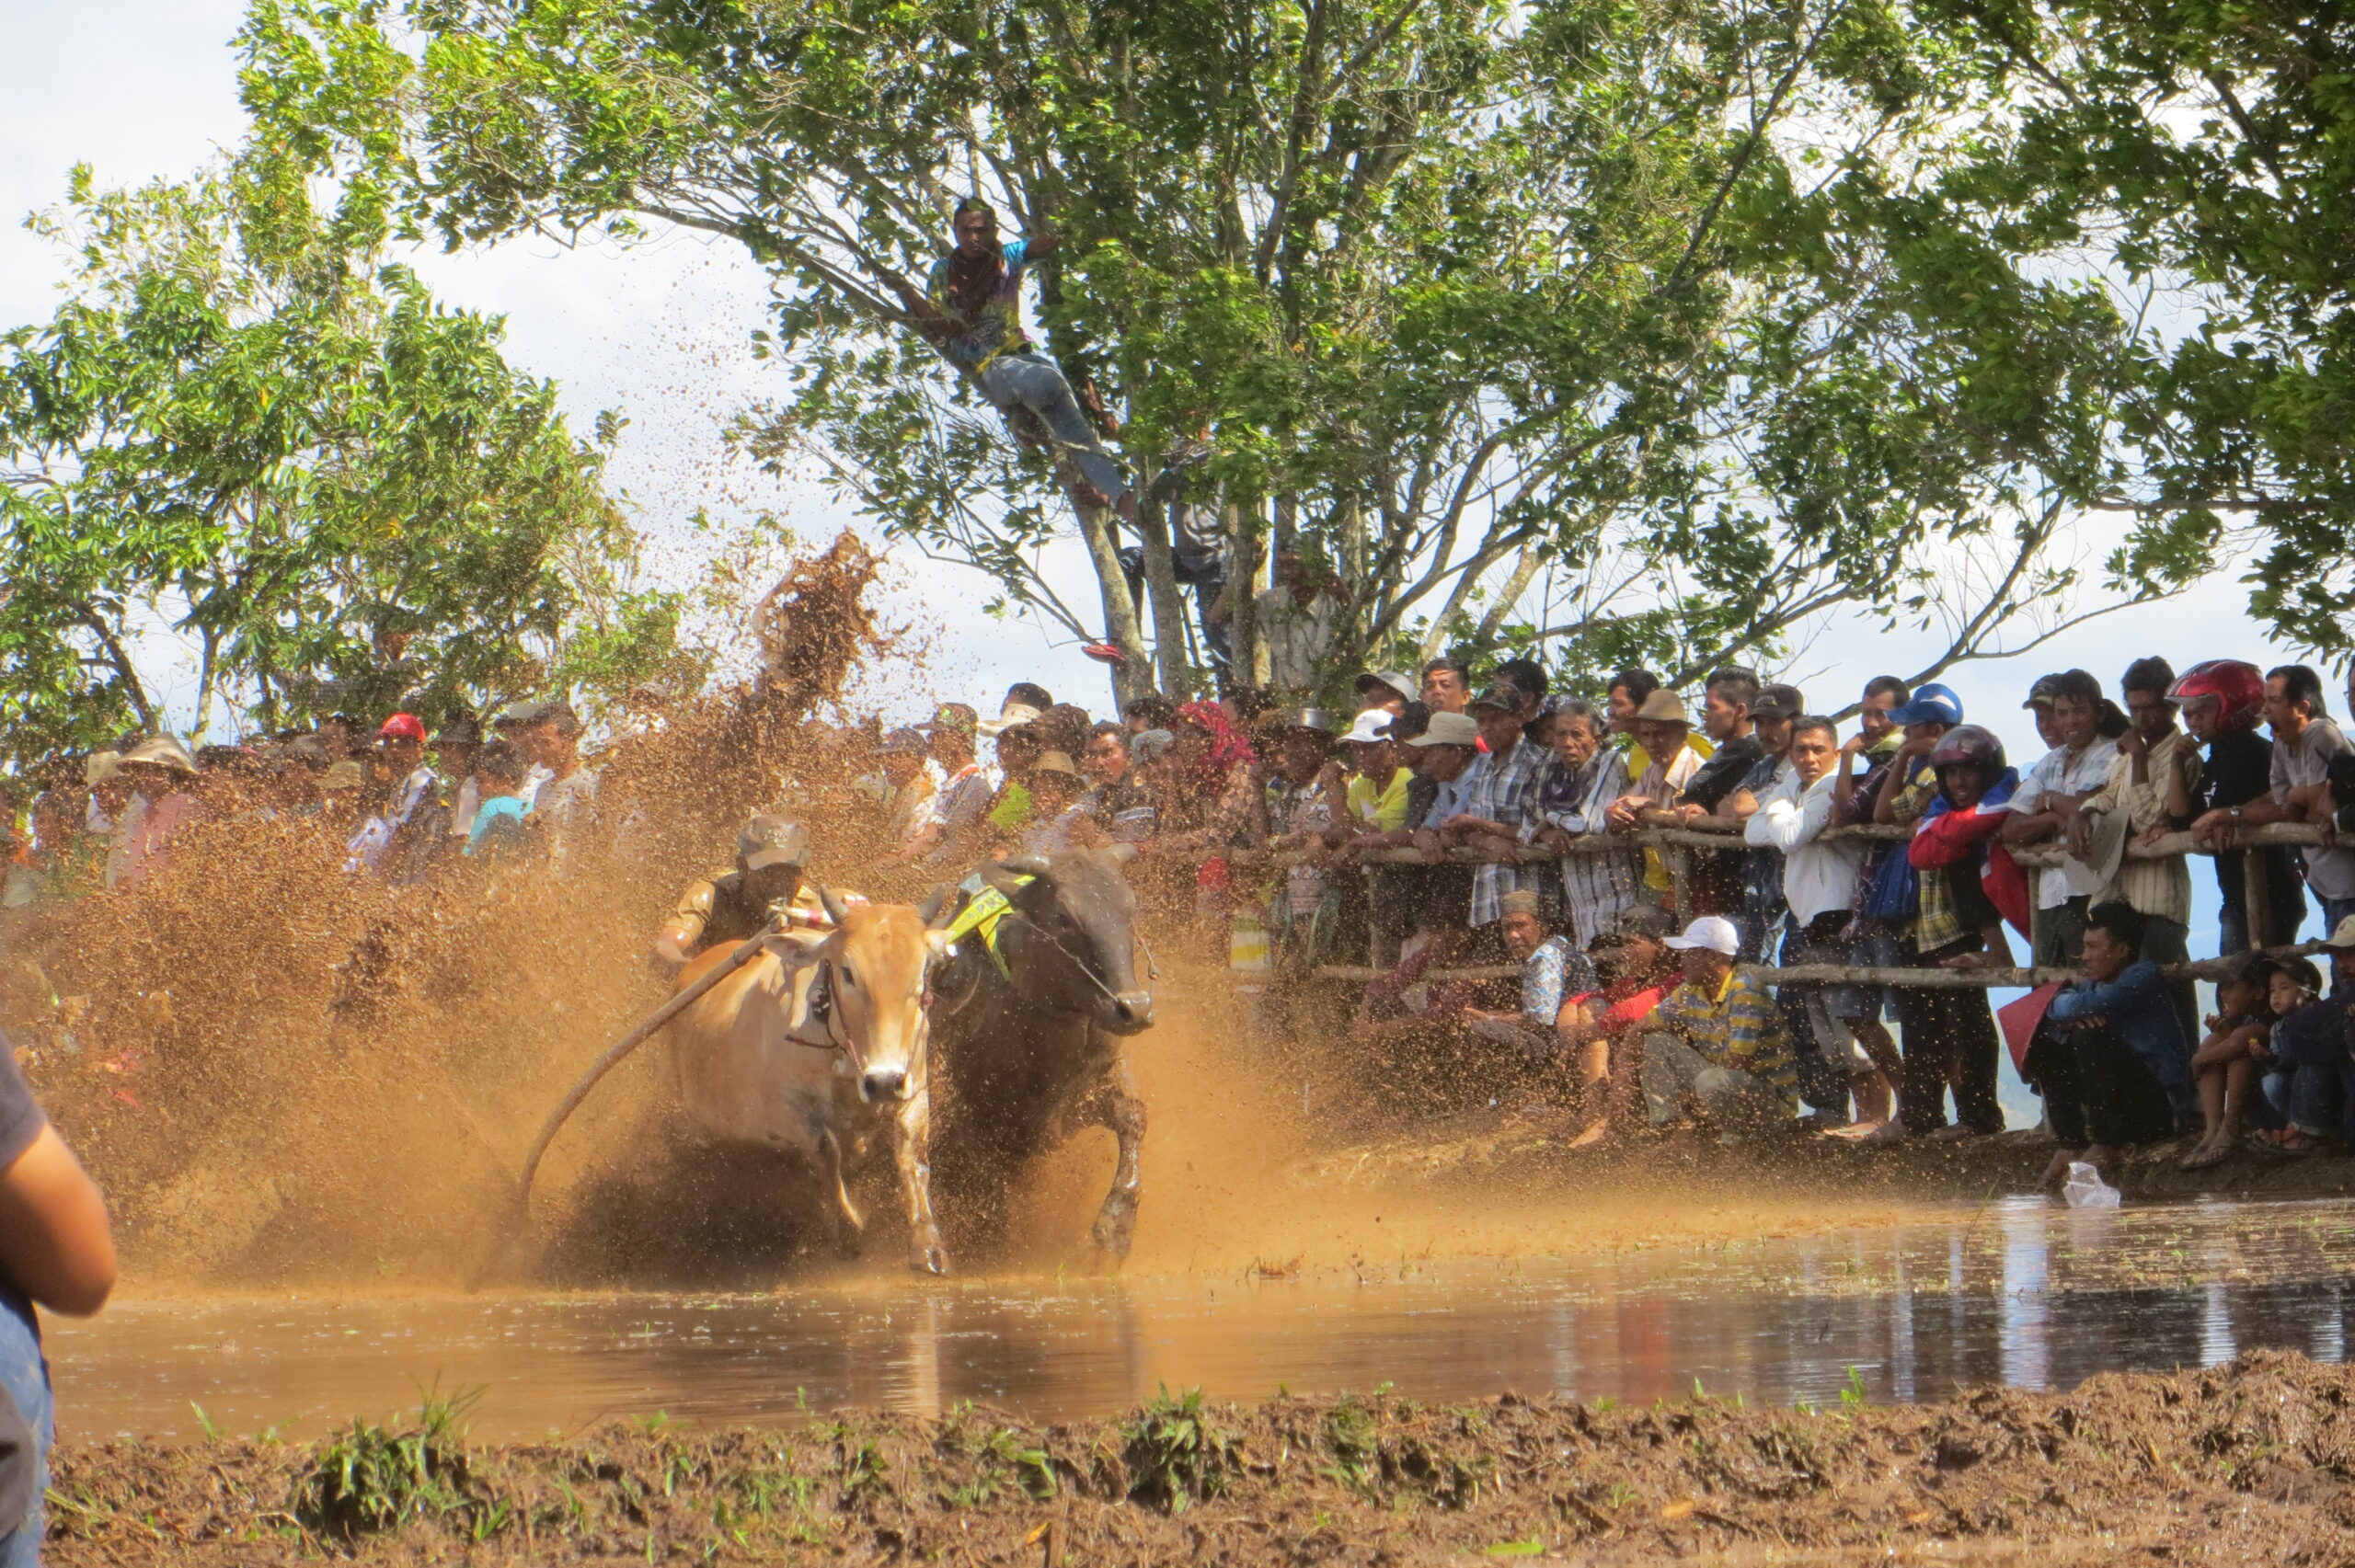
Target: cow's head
1075 941
879 962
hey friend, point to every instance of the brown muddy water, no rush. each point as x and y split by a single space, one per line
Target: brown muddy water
2017 1292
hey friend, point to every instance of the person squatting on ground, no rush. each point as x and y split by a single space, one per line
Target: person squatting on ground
2109 1056
1716 1050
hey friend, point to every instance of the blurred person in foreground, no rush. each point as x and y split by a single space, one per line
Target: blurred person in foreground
57 1252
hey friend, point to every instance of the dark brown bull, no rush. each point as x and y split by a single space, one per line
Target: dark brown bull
1027 1043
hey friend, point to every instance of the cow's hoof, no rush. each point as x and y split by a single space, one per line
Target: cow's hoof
932 1261
1112 1235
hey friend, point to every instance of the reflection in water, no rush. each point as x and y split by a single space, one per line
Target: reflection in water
2017 1292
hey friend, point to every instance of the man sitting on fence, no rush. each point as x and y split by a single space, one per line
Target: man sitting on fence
2109 1056
1716 1046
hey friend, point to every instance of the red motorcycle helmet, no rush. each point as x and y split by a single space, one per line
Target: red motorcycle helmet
1968 743
2236 684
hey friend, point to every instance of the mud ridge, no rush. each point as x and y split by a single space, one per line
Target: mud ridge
2245 1462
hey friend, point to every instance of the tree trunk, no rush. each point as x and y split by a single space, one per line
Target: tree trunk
1133 676
1523 571
1168 609
1250 658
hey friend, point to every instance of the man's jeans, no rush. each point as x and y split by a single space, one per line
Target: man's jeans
1674 1072
2169 942
2311 1097
25 1376
1033 381
2333 911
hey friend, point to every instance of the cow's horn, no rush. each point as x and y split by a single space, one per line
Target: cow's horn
837 911
1121 853
934 911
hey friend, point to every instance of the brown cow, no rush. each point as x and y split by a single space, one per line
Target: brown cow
818 1049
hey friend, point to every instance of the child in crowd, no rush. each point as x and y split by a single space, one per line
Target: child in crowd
498 830
2232 1053
2305 1061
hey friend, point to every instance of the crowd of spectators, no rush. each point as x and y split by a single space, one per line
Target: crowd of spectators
1453 826
391 800
1515 819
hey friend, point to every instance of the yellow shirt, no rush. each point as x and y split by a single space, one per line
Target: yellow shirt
1387 810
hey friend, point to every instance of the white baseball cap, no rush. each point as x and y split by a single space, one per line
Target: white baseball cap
1714 933
1371 728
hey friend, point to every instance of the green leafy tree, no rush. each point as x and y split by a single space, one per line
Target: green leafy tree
1482 301
246 436
2201 158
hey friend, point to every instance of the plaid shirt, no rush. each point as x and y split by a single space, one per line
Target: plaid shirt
1741 1027
1502 790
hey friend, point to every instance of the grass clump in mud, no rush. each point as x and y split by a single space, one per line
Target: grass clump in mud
2180 1468
370 1477
1174 1451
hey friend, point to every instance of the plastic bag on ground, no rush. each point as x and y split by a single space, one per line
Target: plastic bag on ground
2085 1189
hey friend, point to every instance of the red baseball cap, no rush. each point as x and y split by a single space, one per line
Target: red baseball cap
403 726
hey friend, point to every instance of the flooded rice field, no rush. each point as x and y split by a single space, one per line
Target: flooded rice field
2016 1292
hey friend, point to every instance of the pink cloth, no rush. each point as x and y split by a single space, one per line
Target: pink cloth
147 849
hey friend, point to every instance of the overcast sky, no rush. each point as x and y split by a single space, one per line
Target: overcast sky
142 88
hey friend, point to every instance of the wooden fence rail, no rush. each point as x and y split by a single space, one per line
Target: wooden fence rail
1868 975
1676 846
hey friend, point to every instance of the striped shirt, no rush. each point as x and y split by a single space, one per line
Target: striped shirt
1739 1028
2160 887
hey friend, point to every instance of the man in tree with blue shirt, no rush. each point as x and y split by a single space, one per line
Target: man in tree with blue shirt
972 309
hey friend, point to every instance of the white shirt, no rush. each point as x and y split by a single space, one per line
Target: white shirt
2063 772
2306 760
1296 637
1817 877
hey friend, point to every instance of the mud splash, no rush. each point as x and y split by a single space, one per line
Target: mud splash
2227 1465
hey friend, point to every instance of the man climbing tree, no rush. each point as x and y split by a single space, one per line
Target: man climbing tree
972 310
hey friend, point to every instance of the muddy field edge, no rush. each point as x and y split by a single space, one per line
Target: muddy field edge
2125 1462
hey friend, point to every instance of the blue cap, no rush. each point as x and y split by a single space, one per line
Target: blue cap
1931 703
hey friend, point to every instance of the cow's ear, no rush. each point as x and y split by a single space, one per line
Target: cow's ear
1025 864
